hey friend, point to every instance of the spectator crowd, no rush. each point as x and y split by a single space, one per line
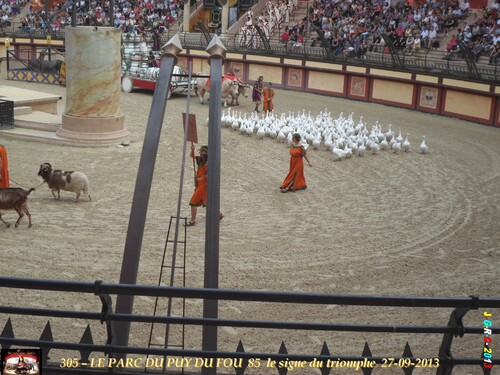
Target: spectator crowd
354 27
347 27
9 9
133 16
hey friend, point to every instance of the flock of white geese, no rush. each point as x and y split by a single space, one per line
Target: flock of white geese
342 135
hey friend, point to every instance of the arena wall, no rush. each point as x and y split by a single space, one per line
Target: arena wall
473 101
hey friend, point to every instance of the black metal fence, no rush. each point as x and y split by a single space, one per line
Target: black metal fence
6 114
40 59
426 61
244 362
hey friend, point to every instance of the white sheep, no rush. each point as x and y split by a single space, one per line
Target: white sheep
58 180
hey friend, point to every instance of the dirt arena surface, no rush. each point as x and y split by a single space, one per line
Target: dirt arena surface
407 224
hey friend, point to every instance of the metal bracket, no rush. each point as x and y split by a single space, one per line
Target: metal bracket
106 310
456 321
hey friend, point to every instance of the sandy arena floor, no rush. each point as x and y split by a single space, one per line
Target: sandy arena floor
407 224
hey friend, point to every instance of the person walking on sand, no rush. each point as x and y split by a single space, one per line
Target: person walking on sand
268 92
4 168
295 179
199 197
257 92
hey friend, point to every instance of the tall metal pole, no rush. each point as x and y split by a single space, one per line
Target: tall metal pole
217 53
73 14
308 21
179 200
135 232
112 13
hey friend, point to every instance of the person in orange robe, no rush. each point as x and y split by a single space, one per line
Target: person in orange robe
199 197
295 179
4 168
268 92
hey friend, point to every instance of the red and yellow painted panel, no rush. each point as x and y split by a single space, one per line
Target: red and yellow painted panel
200 65
295 78
358 87
238 68
468 105
270 73
393 92
428 99
326 82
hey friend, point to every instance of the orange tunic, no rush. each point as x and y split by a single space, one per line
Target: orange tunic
268 99
199 197
295 180
4 168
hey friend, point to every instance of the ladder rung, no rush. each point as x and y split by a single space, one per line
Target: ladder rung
172 268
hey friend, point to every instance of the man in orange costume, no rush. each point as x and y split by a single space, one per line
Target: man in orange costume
295 180
4 168
268 92
199 197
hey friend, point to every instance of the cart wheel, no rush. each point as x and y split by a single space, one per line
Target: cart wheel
127 84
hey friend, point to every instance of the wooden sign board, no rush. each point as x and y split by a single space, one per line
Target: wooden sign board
192 135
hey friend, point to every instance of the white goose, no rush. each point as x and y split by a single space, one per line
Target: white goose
273 133
392 141
316 142
384 145
397 147
389 133
281 136
243 127
338 152
328 143
406 144
424 149
361 150
261 132
348 151
380 135
399 138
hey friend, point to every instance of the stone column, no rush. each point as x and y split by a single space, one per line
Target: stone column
93 68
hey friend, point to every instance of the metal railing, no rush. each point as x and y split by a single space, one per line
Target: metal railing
425 61
443 358
41 60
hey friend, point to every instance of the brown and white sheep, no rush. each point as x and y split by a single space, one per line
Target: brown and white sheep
15 199
58 180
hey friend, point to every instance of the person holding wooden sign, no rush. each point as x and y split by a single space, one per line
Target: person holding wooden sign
199 197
